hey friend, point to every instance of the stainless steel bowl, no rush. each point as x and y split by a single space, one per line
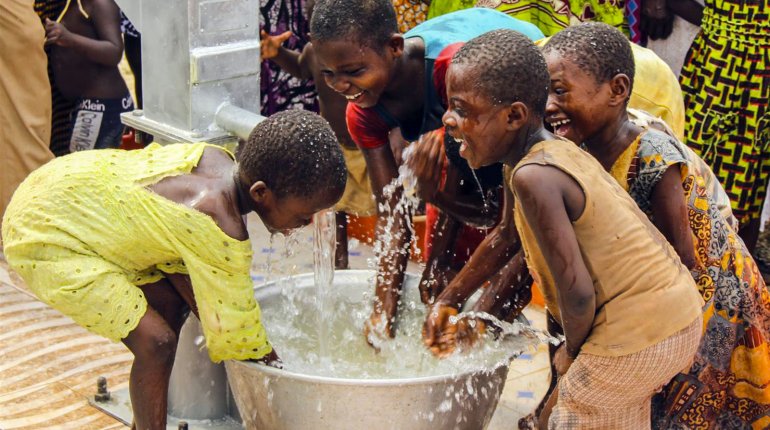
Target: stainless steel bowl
273 399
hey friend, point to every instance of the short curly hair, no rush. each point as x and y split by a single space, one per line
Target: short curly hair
599 49
509 68
370 22
296 153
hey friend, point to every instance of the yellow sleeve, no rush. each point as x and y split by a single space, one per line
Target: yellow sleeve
229 314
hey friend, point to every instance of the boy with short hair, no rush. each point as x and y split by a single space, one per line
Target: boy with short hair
358 198
397 81
629 308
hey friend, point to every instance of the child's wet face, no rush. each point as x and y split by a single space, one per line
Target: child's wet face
289 212
474 120
577 103
358 72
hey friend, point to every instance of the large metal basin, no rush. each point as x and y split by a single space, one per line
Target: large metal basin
273 399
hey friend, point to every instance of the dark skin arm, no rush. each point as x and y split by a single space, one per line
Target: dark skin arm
292 62
494 252
669 214
509 292
551 201
183 287
437 273
394 253
507 295
107 49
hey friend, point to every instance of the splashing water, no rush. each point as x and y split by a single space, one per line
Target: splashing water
324 244
296 336
405 184
514 329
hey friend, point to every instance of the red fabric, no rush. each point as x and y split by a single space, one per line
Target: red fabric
366 127
440 67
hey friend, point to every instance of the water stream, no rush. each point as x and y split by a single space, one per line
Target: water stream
324 245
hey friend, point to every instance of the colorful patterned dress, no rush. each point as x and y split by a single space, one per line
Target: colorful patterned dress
726 84
550 16
279 90
728 386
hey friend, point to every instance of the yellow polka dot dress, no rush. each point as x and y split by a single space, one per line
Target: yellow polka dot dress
84 230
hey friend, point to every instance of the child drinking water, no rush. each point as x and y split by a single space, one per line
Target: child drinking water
587 244
124 243
590 86
397 81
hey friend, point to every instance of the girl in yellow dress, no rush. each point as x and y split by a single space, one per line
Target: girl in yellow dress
125 243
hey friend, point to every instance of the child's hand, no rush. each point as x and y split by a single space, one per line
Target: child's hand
57 34
439 333
272 360
427 161
469 331
269 45
377 327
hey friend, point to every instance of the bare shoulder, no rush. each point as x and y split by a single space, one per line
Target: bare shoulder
213 162
533 179
216 195
105 7
545 185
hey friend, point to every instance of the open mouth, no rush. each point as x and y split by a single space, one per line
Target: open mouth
561 127
463 145
354 97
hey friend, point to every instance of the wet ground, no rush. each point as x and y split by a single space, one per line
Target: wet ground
49 365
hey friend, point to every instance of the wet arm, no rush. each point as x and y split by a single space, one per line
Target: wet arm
394 238
436 274
509 292
669 214
551 200
494 252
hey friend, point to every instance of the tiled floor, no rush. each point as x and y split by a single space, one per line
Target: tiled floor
49 365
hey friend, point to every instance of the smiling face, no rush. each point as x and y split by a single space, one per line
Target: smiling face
483 129
577 103
358 72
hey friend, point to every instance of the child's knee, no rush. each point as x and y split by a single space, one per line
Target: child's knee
159 346
163 346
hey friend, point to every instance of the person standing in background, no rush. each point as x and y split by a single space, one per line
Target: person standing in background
25 96
279 90
726 88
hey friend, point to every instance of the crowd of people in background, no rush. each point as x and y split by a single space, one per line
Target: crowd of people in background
667 99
